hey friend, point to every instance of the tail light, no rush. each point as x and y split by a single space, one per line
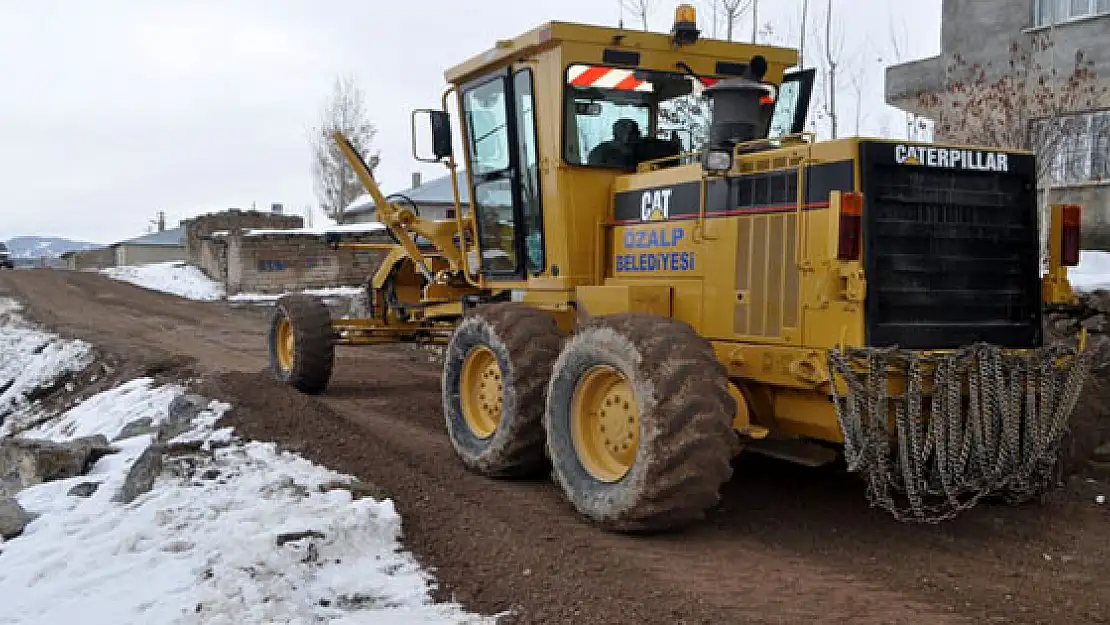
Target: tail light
850 237
1071 216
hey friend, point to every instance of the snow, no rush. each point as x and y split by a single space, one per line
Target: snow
1093 272
184 280
202 546
319 231
341 291
175 277
31 359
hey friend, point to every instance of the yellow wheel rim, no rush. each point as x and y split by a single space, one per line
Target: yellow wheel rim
285 345
480 390
605 423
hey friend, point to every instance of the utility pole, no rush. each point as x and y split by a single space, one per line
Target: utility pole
159 223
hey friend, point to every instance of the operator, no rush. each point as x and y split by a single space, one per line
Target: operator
621 150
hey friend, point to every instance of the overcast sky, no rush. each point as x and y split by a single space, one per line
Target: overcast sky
115 109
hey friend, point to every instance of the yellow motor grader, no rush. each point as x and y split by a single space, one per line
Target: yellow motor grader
652 266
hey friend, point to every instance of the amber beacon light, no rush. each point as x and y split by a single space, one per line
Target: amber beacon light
685 24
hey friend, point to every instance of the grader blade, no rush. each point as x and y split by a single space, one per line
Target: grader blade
961 426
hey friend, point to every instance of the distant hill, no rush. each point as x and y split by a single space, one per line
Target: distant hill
52 247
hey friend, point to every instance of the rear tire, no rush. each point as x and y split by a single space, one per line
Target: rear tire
506 346
302 343
681 444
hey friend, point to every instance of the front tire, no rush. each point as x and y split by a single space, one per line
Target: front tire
495 375
639 423
302 343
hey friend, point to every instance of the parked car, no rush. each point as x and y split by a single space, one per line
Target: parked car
6 261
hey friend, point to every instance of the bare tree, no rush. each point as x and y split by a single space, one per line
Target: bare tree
336 183
832 57
640 9
830 38
1024 106
732 11
802 36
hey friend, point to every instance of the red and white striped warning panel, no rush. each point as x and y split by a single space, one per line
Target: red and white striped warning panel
606 78
625 80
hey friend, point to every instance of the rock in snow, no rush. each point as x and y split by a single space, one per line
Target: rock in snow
26 462
84 489
140 478
13 518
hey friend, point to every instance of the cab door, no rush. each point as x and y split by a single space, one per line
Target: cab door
504 175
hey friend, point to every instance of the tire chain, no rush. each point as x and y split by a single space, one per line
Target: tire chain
996 443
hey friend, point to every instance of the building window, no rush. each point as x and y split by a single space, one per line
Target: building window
1076 148
1047 12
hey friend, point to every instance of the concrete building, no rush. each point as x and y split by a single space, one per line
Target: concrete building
435 199
157 247
982 33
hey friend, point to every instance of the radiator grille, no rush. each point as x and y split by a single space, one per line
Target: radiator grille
952 257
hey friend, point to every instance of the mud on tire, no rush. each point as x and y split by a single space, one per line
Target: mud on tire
313 353
526 343
685 423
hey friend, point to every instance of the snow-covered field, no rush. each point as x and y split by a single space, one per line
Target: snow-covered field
184 280
238 533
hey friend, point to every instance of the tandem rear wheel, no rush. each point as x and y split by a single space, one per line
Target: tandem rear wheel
301 343
632 414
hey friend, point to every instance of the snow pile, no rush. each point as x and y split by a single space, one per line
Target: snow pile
31 359
235 532
184 280
175 278
323 230
341 291
1093 272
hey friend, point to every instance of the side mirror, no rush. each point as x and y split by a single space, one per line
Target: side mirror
431 135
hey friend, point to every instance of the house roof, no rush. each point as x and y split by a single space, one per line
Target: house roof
437 191
166 238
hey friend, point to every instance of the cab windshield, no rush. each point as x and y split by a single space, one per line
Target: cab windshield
618 118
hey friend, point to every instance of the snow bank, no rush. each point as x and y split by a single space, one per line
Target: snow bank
1093 272
320 231
175 278
342 291
240 534
184 280
31 359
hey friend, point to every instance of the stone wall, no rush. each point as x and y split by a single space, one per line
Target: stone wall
212 257
231 221
273 263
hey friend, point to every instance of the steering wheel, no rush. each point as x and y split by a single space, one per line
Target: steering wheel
406 201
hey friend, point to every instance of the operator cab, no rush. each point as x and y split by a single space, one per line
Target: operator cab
620 118
546 118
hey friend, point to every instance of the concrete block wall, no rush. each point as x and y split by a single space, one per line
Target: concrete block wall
101 258
279 263
232 221
212 257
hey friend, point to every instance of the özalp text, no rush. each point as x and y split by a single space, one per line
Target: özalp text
665 261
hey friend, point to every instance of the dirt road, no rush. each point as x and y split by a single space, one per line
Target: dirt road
788 544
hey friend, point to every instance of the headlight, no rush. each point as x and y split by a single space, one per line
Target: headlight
718 160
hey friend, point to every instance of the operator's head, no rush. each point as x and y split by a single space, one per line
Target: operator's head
626 130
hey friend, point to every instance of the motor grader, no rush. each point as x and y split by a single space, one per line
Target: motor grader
652 267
